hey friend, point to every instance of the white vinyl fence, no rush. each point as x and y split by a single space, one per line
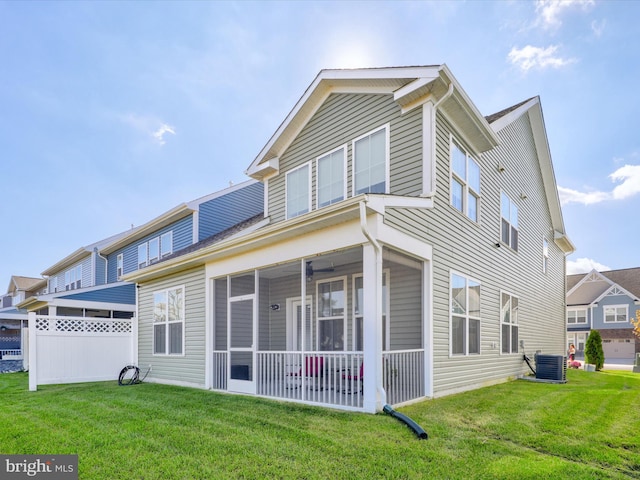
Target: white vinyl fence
78 349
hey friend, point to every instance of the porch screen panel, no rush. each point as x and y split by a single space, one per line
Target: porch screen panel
242 324
220 330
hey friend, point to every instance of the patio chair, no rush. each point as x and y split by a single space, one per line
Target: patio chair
352 379
313 371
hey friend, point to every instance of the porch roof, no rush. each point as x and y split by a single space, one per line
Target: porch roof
341 212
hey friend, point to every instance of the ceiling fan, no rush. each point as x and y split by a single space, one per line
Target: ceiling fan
311 270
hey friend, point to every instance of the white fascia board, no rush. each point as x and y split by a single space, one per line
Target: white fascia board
194 204
379 203
65 302
584 279
66 262
512 116
615 285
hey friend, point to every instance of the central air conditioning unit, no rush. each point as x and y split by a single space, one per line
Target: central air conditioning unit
551 367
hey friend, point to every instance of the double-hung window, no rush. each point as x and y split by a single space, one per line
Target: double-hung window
545 255
298 191
142 255
331 314
370 162
509 221
119 265
168 321
465 315
575 316
509 323
616 314
166 244
465 183
330 171
73 278
154 250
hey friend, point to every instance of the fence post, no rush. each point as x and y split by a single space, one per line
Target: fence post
33 348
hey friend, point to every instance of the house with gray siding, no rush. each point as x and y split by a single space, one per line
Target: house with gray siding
88 283
607 302
411 248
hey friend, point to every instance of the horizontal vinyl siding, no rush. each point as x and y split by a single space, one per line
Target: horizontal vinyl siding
340 120
189 368
227 210
182 237
469 248
120 294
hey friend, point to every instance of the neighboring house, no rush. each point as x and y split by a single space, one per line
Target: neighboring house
88 283
13 319
607 302
414 249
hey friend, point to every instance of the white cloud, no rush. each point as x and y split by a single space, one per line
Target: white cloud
584 265
550 11
629 175
530 57
160 132
598 27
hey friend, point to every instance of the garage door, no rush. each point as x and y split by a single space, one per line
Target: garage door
618 348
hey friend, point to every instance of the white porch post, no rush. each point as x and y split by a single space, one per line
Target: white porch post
33 348
374 396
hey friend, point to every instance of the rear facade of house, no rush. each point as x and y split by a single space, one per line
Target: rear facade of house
413 249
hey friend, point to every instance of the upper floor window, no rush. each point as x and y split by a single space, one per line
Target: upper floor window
119 265
509 323
465 315
616 314
545 255
465 183
53 284
370 161
298 191
578 315
330 182
73 278
154 249
509 221
168 321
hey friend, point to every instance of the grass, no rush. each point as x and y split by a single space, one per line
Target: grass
587 428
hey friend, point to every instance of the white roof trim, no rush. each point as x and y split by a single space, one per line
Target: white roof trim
584 280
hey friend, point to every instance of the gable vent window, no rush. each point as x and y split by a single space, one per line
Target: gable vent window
465 183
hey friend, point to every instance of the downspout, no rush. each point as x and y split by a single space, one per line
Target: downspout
432 141
106 265
378 249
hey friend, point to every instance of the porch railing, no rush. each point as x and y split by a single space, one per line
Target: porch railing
328 378
11 354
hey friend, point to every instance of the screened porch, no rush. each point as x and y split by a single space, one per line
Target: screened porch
297 331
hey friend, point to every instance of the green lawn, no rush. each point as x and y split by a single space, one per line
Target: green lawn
587 428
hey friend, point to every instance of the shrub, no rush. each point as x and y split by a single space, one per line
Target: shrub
593 350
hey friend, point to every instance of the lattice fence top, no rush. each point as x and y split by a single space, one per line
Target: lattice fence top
84 325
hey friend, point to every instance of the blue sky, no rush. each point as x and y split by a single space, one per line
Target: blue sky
113 112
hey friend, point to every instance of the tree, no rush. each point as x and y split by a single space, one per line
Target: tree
636 323
593 350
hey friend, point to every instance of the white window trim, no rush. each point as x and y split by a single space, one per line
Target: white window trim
575 310
167 323
387 273
466 189
70 284
386 127
156 257
545 255
509 221
53 284
604 313
119 266
168 234
146 255
344 173
286 189
146 244
511 295
467 317
320 318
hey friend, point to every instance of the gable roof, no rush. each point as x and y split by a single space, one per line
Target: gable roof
25 283
410 87
533 109
587 288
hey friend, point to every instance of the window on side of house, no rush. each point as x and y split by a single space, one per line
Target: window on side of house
576 315
545 255
509 306
142 255
298 188
119 266
330 182
331 314
465 183
53 284
465 315
616 314
509 221
154 250
168 321
370 162
73 278
166 244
